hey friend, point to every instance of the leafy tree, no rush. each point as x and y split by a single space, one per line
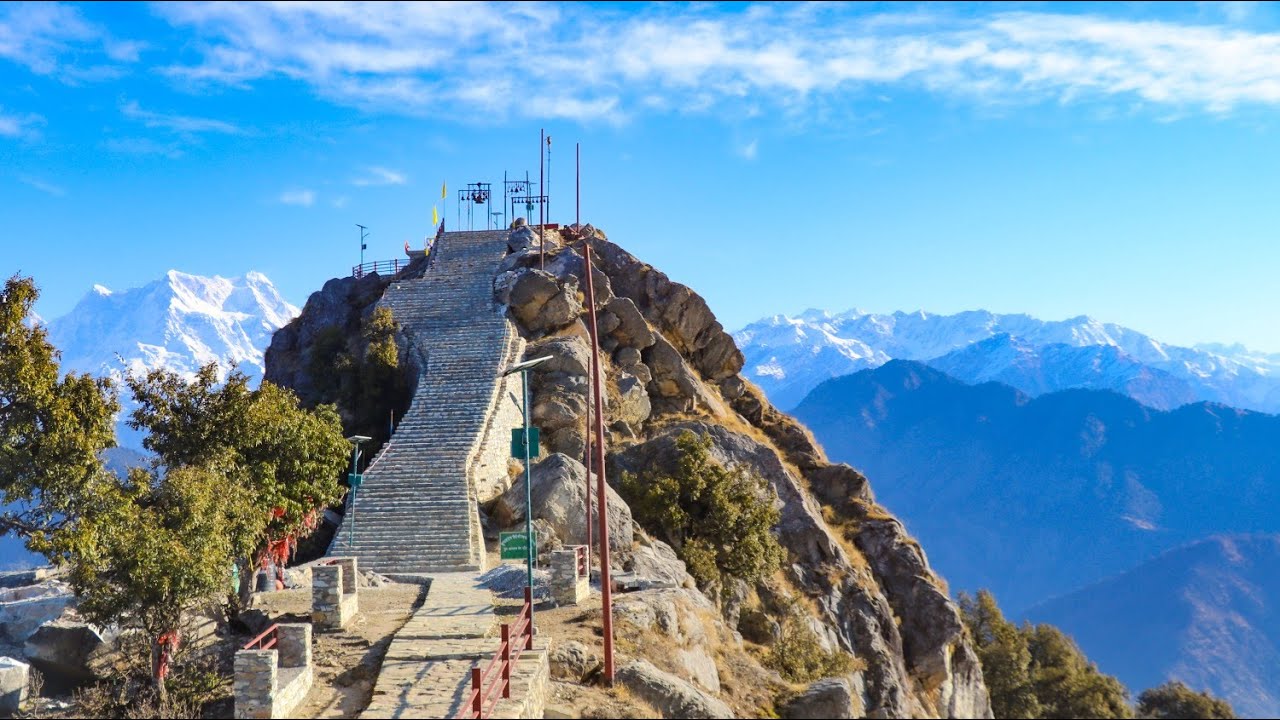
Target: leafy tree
1175 700
1067 684
364 378
52 429
1006 661
285 460
148 549
1038 672
798 655
717 519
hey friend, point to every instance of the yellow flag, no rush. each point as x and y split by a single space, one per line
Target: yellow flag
435 217
444 193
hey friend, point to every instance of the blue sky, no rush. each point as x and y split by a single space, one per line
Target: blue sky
1112 160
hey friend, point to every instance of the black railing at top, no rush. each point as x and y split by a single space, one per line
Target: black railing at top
380 267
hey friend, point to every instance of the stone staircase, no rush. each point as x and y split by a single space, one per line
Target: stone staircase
416 512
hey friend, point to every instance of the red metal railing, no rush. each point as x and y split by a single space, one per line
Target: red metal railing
584 568
266 640
380 267
494 682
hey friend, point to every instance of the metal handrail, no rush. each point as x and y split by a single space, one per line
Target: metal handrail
379 267
516 638
262 642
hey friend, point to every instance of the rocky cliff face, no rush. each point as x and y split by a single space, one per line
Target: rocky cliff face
669 366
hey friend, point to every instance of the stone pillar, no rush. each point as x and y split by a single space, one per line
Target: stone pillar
350 580
294 644
326 596
255 683
568 585
14 675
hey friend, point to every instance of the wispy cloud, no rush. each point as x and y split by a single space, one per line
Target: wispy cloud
180 124
380 176
304 198
748 150
607 63
19 126
42 186
55 39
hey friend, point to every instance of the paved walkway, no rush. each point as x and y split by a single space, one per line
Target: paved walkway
427 670
416 512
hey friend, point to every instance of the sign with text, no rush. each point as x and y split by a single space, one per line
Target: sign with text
512 545
517 443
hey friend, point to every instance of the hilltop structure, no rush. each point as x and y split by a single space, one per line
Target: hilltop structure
438 487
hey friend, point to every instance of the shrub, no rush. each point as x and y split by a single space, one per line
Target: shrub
798 655
717 519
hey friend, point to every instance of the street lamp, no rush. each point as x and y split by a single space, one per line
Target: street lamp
354 480
523 368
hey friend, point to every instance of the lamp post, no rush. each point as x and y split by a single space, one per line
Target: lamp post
354 480
523 368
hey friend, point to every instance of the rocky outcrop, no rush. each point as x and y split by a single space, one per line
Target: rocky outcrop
829 698
668 694
559 499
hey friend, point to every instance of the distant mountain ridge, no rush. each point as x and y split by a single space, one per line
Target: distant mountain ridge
1207 613
789 356
1006 490
179 322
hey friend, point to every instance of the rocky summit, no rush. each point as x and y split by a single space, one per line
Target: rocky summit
850 572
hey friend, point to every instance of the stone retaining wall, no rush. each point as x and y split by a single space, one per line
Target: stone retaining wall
271 683
335 595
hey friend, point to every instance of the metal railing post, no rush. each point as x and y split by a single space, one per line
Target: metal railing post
506 660
477 705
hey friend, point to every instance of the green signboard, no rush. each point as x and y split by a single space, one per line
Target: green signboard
517 443
512 545
355 480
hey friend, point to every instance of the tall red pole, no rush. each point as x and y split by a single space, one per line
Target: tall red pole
602 507
542 219
590 430
577 184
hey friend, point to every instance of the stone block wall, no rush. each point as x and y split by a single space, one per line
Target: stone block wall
569 586
335 598
271 683
530 687
489 471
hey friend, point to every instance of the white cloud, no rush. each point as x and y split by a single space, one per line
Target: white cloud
181 124
55 39
380 176
305 198
18 126
143 146
591 62
748 151
340 201
42 186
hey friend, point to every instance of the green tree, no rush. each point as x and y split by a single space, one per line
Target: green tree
361 374
1006 661
1175 700
285 460
717 519
52 429
148 549
1067 684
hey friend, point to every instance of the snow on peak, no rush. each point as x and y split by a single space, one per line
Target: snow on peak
788 356
102 290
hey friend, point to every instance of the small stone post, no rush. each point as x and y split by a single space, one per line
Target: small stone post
326 596
294 644
255 683
569 586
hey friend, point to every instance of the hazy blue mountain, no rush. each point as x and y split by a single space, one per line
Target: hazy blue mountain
1207 614
1035 497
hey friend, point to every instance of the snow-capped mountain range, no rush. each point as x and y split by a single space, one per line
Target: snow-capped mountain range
179 322
789 356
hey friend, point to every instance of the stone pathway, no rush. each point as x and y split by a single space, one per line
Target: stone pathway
416 512
427 670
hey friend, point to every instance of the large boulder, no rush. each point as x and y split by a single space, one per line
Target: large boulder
23 609
674 385
71 649
631 331
572 661
14 677
632 407
669 695
543 304
559 497
826 698
656 565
